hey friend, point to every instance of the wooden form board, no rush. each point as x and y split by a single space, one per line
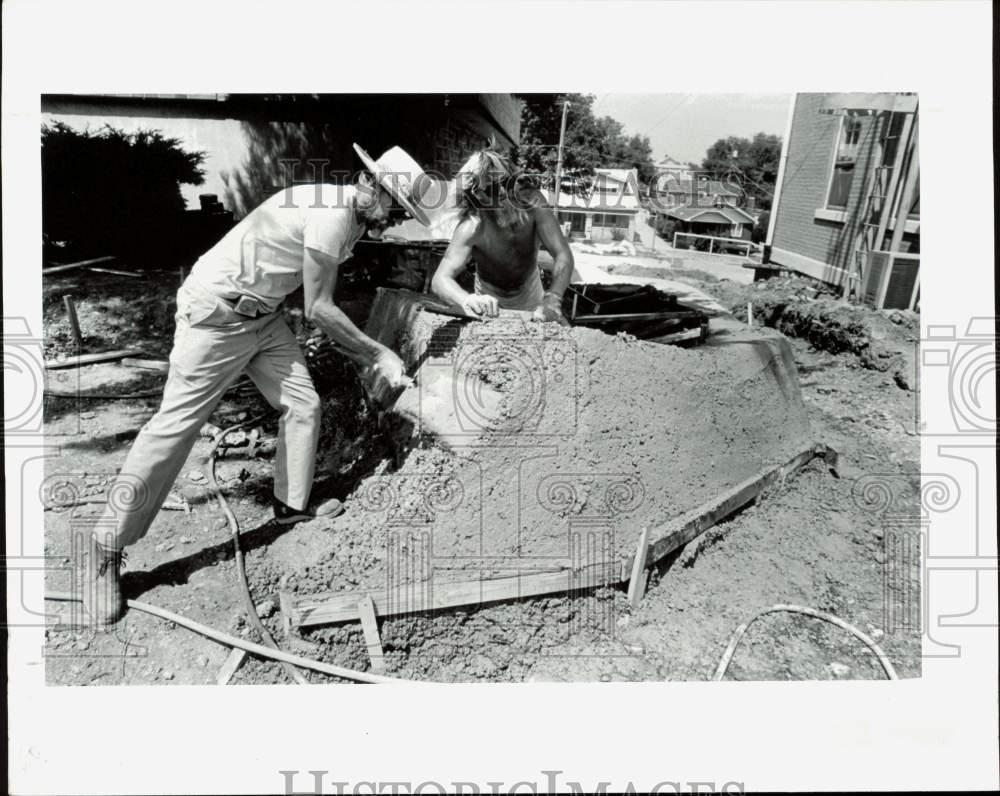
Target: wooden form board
59 269
91 359
333 607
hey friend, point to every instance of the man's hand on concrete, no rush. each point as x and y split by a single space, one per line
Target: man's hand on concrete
550 310
481 306
386 374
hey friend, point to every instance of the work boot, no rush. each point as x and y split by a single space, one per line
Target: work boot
286 515
102 595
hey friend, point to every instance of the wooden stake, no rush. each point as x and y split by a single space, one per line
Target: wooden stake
637 583
285 603
74 321
229 668
369 624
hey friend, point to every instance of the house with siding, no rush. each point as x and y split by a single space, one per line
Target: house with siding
847 203
608 211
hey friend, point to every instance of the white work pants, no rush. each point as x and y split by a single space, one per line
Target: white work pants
213 345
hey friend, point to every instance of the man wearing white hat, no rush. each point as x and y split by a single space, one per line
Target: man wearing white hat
501 228
229 321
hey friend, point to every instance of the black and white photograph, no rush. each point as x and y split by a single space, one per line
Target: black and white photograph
627 396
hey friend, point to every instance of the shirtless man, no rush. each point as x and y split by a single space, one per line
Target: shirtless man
500 229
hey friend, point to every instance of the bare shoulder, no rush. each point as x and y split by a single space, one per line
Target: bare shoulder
467 229
531 198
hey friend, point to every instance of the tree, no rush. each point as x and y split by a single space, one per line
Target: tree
591 142
750 164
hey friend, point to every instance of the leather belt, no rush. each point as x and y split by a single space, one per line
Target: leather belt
247 306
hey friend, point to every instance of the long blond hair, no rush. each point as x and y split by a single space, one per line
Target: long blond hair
488 188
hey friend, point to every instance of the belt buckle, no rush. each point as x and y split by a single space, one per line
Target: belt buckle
247 306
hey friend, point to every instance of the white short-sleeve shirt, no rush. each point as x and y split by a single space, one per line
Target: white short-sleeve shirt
262 255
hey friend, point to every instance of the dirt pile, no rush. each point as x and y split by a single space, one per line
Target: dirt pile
882 340
594 438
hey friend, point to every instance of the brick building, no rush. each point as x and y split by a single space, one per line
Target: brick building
847 204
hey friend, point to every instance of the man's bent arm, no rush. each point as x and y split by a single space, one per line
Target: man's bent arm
555 243
445 284
319 279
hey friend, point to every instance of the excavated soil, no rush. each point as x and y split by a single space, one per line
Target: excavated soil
806 541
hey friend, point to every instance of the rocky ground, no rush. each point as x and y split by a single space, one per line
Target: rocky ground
816 540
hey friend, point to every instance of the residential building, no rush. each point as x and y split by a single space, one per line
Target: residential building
609 210
847 203
674 169
722 221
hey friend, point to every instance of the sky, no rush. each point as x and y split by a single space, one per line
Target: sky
684 126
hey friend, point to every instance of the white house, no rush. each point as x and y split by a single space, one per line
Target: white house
608 211
669 168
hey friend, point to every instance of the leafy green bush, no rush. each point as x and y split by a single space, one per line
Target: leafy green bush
111 192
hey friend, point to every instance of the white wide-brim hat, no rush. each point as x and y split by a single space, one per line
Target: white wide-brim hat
401 176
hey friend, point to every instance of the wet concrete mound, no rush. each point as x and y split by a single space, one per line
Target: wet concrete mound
566 443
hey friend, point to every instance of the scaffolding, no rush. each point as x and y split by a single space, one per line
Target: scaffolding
875 274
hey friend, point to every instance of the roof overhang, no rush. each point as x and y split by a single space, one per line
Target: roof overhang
855 103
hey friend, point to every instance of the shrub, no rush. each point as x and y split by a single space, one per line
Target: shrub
111 192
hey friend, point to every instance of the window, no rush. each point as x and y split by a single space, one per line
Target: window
610 221
845 159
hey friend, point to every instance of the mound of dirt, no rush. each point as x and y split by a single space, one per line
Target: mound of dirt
594 438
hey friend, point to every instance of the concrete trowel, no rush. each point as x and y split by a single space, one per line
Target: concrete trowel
455 407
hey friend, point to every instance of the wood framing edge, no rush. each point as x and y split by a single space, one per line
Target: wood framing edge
677 533
331 608
92 359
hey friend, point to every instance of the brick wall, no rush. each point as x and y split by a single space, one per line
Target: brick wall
453 142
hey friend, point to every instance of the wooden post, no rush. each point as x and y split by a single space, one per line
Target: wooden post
637 583
74 321
902 148
909 189
369 624
559 159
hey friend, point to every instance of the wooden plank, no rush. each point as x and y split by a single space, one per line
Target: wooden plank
676 337
321 609
331 607
230 667
678 315
435 305
62 268
132 274
90 359
679 532
637 581
160 365
369 624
